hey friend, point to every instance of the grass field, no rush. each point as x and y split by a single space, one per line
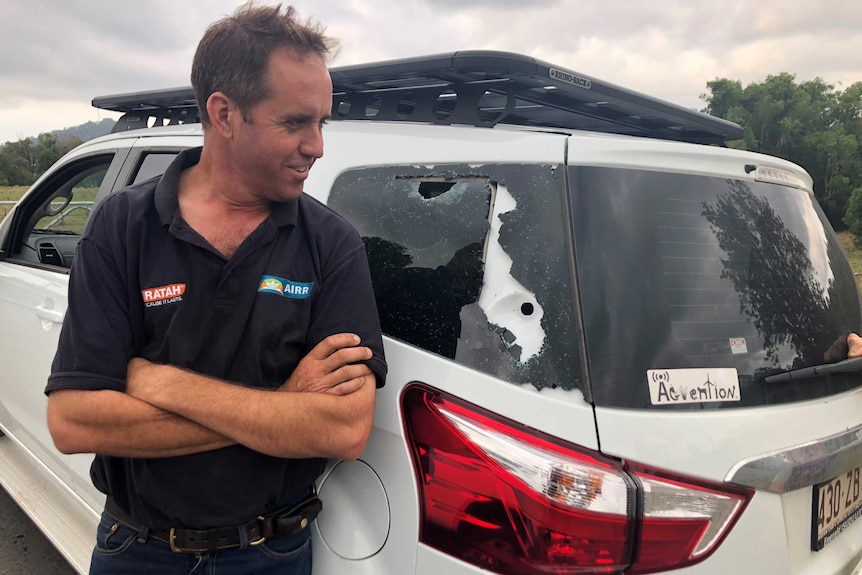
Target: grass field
71 219
9 194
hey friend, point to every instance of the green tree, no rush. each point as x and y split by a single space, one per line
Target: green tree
809 123
22 155
853 218
23 161
46 152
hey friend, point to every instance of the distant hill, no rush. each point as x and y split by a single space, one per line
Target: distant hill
86 131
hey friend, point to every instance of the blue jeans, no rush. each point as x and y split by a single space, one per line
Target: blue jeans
121 550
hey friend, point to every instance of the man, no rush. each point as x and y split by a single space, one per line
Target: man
221 338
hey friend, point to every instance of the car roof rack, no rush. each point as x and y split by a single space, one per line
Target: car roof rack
477 88
165 107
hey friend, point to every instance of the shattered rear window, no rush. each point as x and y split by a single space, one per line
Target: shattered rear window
471 263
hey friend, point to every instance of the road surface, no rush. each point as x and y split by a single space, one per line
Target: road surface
23 548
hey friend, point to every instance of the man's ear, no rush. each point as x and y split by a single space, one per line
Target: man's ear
222 113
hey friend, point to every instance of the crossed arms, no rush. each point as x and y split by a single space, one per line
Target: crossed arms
324 409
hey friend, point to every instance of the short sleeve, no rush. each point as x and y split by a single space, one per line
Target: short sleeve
346 304
96 341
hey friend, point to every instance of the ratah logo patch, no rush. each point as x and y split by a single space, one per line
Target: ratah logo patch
285 287
163 295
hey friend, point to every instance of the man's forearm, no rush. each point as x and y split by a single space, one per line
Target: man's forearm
279 423
113 423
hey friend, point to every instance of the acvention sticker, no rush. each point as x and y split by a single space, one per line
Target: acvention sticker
671 386
737 345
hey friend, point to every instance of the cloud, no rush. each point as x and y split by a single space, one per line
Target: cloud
68 51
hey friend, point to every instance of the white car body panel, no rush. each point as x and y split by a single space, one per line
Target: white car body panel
707 444
772 536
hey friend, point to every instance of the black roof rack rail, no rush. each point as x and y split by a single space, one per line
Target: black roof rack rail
478 88
173 105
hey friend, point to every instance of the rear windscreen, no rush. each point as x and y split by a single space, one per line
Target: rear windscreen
694 289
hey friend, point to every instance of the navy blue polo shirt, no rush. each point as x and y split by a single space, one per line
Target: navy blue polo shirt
144 284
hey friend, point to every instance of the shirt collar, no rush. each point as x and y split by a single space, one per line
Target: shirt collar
167 203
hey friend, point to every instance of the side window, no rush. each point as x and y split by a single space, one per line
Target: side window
50 219
471 263
68 214
153 164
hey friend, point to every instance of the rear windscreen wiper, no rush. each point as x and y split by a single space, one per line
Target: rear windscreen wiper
851 365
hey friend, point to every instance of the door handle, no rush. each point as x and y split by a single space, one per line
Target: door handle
46 311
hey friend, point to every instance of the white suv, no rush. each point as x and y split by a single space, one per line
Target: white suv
605 336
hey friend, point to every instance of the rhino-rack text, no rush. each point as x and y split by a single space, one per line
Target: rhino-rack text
570 78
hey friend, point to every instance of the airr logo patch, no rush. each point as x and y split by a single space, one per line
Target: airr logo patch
285 287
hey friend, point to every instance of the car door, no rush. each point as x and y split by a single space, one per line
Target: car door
39 238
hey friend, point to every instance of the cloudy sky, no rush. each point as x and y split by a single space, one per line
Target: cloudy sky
58 54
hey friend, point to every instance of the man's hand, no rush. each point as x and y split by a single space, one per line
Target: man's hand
331 367
854 343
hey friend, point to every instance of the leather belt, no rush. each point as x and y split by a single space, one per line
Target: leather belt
282 523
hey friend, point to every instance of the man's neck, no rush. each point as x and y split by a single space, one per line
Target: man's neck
216 207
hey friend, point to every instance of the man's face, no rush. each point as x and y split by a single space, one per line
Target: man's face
277 147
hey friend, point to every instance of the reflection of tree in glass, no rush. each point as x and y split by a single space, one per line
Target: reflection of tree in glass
771 272
422 305
385 258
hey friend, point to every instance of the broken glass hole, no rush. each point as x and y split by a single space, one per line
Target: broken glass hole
432 189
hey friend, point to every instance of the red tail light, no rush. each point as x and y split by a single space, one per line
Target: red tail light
511 500
683 521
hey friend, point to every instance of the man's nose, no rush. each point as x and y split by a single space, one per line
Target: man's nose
312 144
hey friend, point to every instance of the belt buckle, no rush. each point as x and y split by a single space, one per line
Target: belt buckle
172 541
260 539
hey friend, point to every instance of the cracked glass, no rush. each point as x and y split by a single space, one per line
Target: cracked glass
472 263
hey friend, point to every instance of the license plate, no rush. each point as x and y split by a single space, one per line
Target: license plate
837 504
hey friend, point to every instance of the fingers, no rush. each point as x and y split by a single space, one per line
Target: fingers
334 361
332 380
349 372
338 350
333 343
346 356
854 343
349 386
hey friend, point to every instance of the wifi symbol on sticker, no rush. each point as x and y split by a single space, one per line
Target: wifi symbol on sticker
660 376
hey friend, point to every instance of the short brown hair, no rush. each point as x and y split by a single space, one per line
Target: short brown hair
233 55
